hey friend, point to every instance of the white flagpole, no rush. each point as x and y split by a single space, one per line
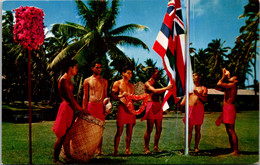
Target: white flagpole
187 63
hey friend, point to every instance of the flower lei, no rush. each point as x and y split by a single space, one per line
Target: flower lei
28 28
130 105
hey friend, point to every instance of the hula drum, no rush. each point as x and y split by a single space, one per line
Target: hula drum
82 139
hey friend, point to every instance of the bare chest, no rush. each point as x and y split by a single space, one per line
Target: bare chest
125 88
200 90
96 84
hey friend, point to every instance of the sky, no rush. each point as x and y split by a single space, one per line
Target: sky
209 20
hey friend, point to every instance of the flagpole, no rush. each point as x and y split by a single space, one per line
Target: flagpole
187 63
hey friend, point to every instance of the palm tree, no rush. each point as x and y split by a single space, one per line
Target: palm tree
15 69
97 37
201 67
14 73
216 52
55 44
239 63
246 44
150 64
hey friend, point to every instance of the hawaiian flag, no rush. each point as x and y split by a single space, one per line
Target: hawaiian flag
170 45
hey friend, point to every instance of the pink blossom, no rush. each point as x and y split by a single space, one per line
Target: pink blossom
28 30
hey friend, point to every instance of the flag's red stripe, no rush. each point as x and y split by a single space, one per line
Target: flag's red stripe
157 47
168 20
174 46
171 45
179 21
180 63
167 72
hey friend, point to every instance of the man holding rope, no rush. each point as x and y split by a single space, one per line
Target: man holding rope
154 112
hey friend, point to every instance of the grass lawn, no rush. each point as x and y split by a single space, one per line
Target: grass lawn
213 145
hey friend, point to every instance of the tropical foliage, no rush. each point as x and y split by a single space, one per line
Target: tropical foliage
209 62
245 52
98 37
14 64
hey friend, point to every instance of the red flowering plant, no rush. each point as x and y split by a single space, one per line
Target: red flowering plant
28 28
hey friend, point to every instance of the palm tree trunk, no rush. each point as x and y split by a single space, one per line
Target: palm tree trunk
255 84
80 89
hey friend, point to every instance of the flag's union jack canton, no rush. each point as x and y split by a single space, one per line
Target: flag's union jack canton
170 46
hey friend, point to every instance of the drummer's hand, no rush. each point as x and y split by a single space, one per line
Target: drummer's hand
108 108
106 100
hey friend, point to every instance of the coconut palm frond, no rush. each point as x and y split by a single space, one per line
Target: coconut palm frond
84 13
128 28
110 18
68 52
77 26
82 54
115 53
127 40
72 30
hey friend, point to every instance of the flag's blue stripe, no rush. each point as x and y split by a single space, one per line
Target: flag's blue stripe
180 90
170 9
178 13
171 58
165 30
171 99
179 29
172 61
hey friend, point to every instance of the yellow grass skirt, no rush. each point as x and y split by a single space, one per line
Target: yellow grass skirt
82 139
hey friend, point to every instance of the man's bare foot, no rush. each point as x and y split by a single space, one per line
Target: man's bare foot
156 149
115 153
147 152
100 153
235 153
196 150
127 152
55 161
217 122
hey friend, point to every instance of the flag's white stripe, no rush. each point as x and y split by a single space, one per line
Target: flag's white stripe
173 74
170 69
191 85
182 39
179 23
166 105
172 10
163 40
179 17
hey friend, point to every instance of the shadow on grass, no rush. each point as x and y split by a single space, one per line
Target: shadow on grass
219 152
166 153
104 160
214 152
172 117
